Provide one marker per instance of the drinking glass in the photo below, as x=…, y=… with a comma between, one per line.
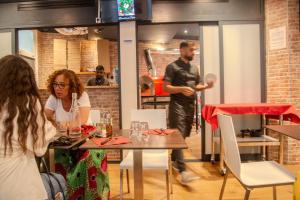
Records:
x=134, y=128
x=144, y=131
x=62, y=127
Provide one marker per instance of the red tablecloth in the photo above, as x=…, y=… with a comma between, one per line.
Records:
x=210, y=112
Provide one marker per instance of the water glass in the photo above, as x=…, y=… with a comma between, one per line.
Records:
x=134, y=128
x=144, y=131
x=62, y=127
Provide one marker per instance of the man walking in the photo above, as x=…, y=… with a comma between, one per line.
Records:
x=182, y=81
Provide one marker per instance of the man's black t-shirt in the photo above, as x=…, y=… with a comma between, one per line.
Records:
x=180, y=73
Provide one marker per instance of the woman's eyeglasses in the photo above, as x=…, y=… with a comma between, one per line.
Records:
x=59, y=85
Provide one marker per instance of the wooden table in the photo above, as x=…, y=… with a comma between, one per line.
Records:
x=172, y=141
x=292, y=131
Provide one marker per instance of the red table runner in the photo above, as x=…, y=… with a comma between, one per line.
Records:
x=210, y=112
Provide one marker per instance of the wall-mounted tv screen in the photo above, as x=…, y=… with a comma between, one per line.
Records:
x=126, y=9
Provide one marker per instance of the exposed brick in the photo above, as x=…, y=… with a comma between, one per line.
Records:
x=283, y=67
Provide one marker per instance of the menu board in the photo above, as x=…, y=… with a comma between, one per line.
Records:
x=126, y=10
x=277, y=38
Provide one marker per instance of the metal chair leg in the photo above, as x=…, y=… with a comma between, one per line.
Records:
x=127, y=177
x=168, y=184
x=171, y=180
x=121, y=184
x=247, y=194
x=223, y=186
x=274, y=193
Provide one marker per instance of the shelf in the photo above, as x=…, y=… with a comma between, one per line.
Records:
x=85, y=73
x=263, y=140
x=102, y=87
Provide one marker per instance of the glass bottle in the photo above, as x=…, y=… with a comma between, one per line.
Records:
x=75, y=122
x=103, y=125
x=109, y=130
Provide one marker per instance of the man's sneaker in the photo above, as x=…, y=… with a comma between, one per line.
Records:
x=186, y=177
x=175, y=166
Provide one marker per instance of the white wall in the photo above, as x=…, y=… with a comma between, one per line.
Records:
x=242, y=80
x=211, y=65
x=242, y=72
x=128, y=71
x=5, y=43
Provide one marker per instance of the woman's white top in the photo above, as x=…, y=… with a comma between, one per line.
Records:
x=19, y=175
x=61, y=115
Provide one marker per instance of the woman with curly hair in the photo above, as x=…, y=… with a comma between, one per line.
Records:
x=24, y=131
x=85, y=171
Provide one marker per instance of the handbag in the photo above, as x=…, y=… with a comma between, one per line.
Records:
x=54, y=183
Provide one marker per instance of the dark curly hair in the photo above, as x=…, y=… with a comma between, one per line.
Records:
x=19, y=94
x=75, y=83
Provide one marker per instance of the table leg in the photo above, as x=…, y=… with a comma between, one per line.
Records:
x=138, y=174
x=281, y=140
x=212, y=157
x=264, y=123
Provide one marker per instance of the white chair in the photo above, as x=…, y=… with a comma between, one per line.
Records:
x=253, y=174
x=152, y=159
x=95, y=116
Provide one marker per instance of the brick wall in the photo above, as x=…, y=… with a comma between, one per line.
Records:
x=161, y=58
x=104, y=99
x=45, y=53
x=88, y=54
x=114, y=54
x=283, y=66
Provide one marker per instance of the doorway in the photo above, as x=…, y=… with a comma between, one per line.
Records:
x=158, y=46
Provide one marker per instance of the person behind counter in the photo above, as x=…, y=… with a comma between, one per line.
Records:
x=85, y=171
x=24, y=134
x=100, y=77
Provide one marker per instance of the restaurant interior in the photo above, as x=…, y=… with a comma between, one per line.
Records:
x=241, y=140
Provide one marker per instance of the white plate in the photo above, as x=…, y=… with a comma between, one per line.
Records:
x=210, y=77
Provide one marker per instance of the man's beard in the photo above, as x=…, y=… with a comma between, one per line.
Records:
x=189, y=58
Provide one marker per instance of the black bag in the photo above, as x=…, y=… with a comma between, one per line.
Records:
x=53, y=182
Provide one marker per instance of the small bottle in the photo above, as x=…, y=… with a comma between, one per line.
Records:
x=109, y=131
x=116, y=75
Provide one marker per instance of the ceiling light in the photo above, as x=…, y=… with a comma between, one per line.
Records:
x=73, y=31
x=185, y=31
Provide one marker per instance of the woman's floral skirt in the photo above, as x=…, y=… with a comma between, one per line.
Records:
x=85, y=172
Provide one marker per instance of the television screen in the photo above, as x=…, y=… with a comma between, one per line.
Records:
x=126, y=9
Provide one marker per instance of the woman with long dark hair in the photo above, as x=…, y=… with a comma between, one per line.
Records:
x=24, y=131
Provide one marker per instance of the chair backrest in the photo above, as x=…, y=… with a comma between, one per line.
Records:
x=95, y=116
x=156, y=118
x=232, y=154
